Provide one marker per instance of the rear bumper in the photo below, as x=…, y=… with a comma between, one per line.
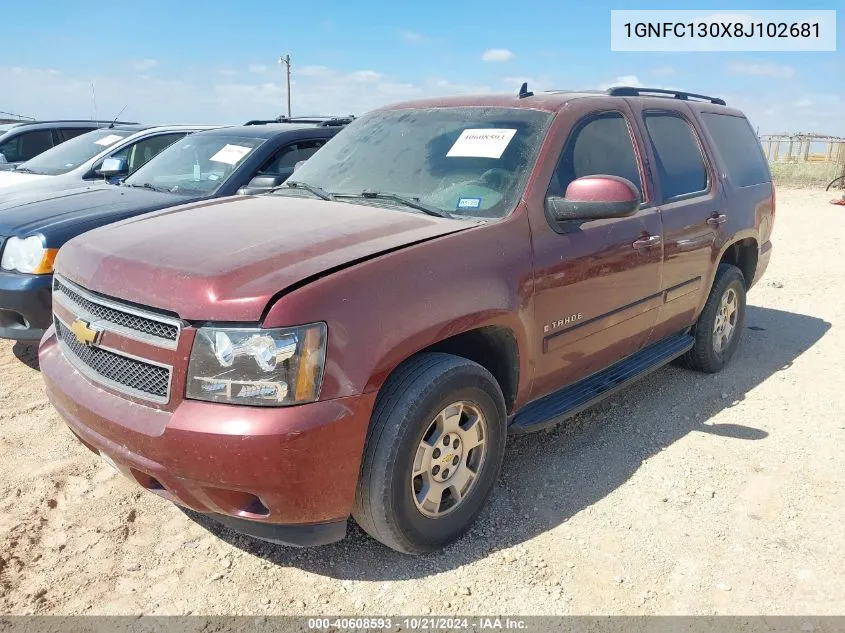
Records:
x=257, y=470
x=763, y=257
x=25, y=305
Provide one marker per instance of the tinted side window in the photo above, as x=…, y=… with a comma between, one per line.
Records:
x=283, y=162
x=601, y=144
x=739, y=148
x=27, y=145
x=143, y=151
x=680, y=165
x=68, y=133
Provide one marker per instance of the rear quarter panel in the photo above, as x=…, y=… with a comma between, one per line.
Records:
x=384, y=310
x=750, y=209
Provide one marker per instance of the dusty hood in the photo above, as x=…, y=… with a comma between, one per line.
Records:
x=224, y=260
x=12, y=178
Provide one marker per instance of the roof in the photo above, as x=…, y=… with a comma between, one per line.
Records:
x=62, y=122
x=268, y=130
x=554, y=100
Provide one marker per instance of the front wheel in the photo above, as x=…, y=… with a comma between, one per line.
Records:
x=434, y=450
x=718, y=329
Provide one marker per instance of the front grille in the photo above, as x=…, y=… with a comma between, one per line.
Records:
x=99, y=309
x=121, y=372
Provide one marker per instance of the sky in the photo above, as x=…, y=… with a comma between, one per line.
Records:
x=216, y=61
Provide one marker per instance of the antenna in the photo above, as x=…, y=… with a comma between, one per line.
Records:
x=523, y=91
x=118, y=116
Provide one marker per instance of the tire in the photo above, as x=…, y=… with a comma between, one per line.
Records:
x=706, y=355
x=419, y=396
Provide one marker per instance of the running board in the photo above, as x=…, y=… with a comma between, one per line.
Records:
x=562, y=404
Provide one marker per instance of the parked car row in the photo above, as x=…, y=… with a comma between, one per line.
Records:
x=168, y=165
x=359, y=339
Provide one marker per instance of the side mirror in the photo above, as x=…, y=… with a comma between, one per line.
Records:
x=113, y=167
x=3, y=160
x=298, y=164
x=595, y=198
x=261, y=183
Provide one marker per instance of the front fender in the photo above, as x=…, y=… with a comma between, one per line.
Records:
x=381, y=311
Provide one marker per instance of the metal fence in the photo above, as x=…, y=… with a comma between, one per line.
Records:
x=804, y=160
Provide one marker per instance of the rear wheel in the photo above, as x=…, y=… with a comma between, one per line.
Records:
x=434, y=450
x=718, y=329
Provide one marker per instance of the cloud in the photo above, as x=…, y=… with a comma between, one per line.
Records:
x=663, y=71
x=762, y=70
x=803, y=103
x=496, y=55
x=412, y=37
x=145, y=64
x=365, y=75
x=258, y=69
x=624, y=80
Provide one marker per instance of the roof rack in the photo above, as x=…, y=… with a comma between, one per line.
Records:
x=630, y=91
x=322, y=121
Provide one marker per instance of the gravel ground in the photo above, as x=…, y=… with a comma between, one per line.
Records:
x=686, y=494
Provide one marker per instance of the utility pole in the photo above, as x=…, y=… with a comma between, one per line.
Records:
x=286, y=61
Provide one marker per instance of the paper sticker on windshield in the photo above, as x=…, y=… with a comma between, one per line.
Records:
x=111, y=139
x=469, y=203
x=482, y=143
x=231, y=154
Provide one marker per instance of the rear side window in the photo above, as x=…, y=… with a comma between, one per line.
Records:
x=68, y=133
x=680, y=165
x=601, y=144
x=739, y=148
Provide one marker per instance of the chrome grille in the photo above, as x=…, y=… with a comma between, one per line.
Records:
x=134, y=323
x=123, y=373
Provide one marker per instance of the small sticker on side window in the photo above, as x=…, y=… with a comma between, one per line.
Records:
x=482, y=143
x=469, y=203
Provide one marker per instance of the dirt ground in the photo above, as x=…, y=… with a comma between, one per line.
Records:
x=686, y=494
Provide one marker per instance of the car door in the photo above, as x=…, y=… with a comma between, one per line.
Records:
x=596, y=283
x=691, y=209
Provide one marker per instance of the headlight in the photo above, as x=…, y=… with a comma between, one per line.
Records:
x=28, y=255
x=266, y=367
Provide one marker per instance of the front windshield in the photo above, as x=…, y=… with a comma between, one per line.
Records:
x=73, y=153
x=198, y=164
x=471, y=161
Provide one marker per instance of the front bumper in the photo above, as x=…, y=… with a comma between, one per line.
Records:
x=284, y=474
x=25, y=305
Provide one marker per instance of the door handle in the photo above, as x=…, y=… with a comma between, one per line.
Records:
x=717, y=219
x=645, y=242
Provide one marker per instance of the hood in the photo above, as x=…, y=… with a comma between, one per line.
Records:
x=11, y=178
x=224, y=260
x=60, y=215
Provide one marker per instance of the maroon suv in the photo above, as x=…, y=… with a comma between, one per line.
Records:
x=442, y=272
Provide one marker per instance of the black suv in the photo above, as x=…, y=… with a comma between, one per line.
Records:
x=247, y=160
x=20, y=141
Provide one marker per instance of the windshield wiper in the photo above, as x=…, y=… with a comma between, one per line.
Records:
x=146, y=185
x=295, y=184
x=25, y=170
x=414, y=203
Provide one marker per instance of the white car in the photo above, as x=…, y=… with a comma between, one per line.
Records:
x=80, y=160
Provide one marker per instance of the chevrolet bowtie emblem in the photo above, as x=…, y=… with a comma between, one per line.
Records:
x=84, y=333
